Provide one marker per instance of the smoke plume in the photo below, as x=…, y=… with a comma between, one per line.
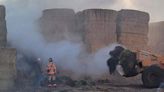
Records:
x=24, y=35
x=161, y=88
x=22, y=24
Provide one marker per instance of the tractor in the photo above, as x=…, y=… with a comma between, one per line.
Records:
x=131, y=63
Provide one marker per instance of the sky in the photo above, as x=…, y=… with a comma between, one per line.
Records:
x=154, y=7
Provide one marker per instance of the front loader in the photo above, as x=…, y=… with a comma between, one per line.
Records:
x=131, y=63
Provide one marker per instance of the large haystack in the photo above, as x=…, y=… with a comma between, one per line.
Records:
x=156, y=37
x=98, y=27
x=58, y=24
x=7, y=57
x=3, y=29
x=7, y=68
x=132, y=29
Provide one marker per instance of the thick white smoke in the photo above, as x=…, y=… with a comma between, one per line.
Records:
x=22, y=24
x=23, y=34
x=161, y=88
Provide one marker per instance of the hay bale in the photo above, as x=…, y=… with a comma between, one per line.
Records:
x=98, y=27
x=2, y=12
x=58, y=24
x=6, y=85
x=7, y=68
x=133, y=16
x=3, y=34
x=132, y=29
x=156, y=32
x=3, y=29
x=133, y=41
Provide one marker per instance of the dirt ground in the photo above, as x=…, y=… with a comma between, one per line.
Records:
x=101, y=88
x=114, y=84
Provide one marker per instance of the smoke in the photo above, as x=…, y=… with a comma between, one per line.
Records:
x=161, y=88
x=22, y=24
x=23, y=34
x=98, y=65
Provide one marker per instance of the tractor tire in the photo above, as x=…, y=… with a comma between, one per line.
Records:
x=152, y=76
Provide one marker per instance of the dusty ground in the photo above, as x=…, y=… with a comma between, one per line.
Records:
x=97, y=88
x=115, y=84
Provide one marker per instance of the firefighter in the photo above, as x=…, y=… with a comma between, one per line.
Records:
x=51, y=71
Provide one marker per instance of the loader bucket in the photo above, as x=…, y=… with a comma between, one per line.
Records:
x=128, y=62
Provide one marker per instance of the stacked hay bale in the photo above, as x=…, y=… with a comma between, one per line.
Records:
x=98, y=27
x=7, y=68
x=7, y=57
x=3, y=29
x=156, y=32
x=58, y=24
x=132, y=29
